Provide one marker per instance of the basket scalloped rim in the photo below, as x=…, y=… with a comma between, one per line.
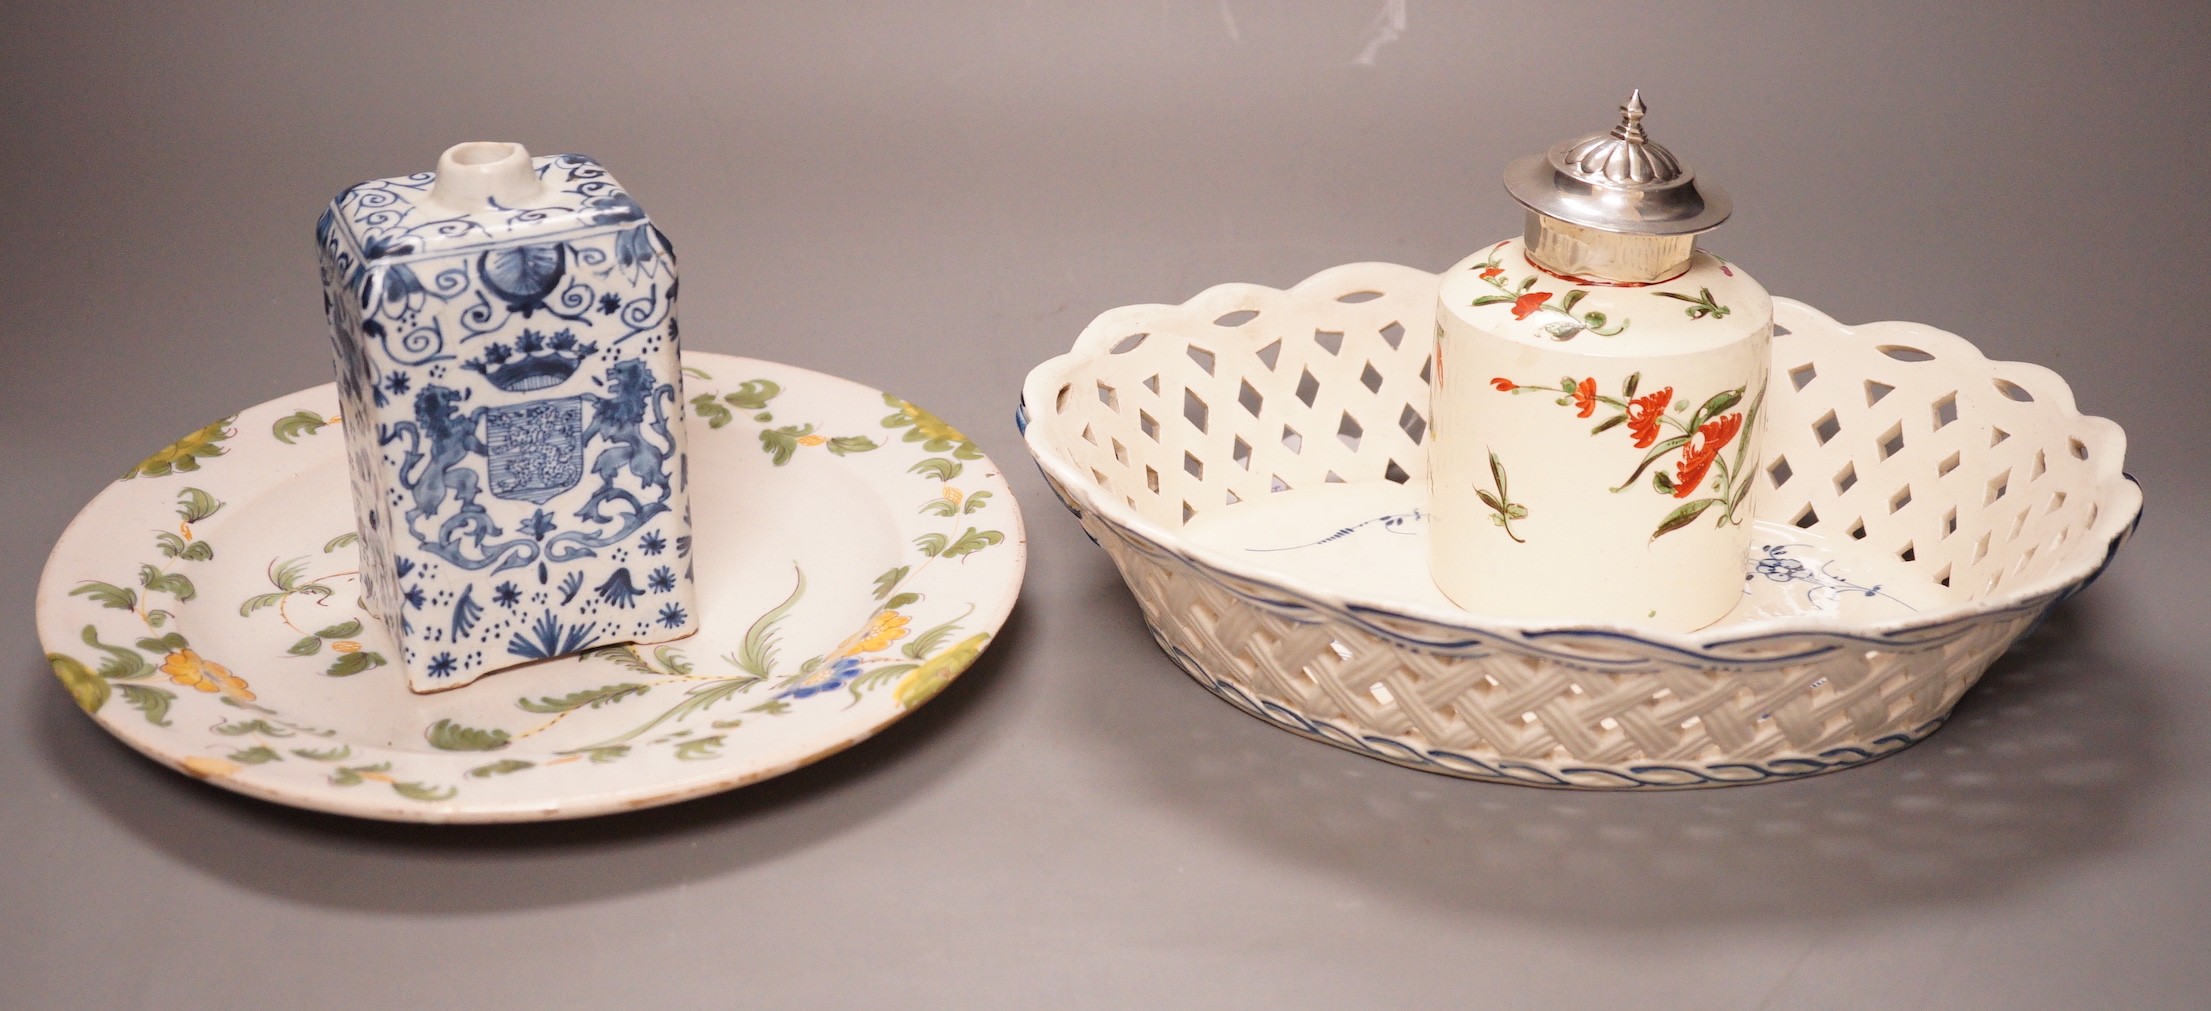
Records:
x=2118, y=493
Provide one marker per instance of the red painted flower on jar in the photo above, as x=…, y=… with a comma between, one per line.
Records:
x=1527, y=304
x=1504, y=385
x=1644, y=413
x=1491, y=272
x=1696, y=460
x=1585, y=396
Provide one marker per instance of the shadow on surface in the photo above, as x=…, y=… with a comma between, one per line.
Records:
x=332, y=860
x=2040, y=765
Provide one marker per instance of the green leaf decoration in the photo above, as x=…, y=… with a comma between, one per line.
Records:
x=1651, y=456
x=1492, y=300
x=927, y=642
x=696, y=373
x=673, y=659
x=343, y=630
x=195, y=504
x=715, y=414
x=901, y=600
x=753, y=394
x=168, y=643
x=174, y=546
x=122, y=663
x=185, y=454
x=424, y=792
x=757, y=656
x=259, y=754
x=1627, y=389
x=880, y=676
x=845, y=444
x=605, y=754
x=349, y=664
x=939, y=507
x=502, y=767
x=1682, y=516
x=591, y=698
x=158, y=618
x=147, y=699
x=296, y=424
x=931, y=677
x=625, y=655
x=446, y=735
x=972, y=541
x=172, y=583
x=974, y=502
x=107, y=594
x=1663, y=482
x=700, y=749
x=932, y=545
x=1567, y=302
x=934, y=434
x=772, y=707
x=938, y=468
x=781, y=443
x=1719, y=402
x=889, y=581
x=355, y=775
x=333, y=544
x=88, y=689
x=338, y=753
x=1608, y=424
x=306, y=647
x=240, y=728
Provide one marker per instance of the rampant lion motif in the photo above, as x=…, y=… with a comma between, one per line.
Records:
x=438, y=466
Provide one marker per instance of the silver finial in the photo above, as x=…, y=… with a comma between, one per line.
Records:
x=1631, y=119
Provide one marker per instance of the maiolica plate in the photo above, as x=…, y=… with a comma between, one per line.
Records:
x=853, y=555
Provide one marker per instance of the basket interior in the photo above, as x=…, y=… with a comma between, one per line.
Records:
x=1976, y=475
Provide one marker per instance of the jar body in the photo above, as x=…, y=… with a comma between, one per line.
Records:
x=1595, y=446
x=512, y=404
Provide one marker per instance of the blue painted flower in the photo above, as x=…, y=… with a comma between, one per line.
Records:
x=1780, y=569
x=610, y=303
x=618, y=590
x=672, y=616
x=826, y=678
x=507, y=594
x=539, y=524
x=652, y=543
x=397, y=383
x=662, y=580
x=415, y=596
x=443, y=665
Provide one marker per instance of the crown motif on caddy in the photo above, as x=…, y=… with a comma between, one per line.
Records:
x=534, y=363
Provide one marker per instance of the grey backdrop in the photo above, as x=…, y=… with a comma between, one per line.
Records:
x=931, y=198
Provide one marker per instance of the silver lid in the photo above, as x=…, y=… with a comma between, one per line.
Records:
x=1619, y=181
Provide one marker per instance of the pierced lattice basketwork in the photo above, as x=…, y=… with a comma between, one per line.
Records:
x=1994, y=495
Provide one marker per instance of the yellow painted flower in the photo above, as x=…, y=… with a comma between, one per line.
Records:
x=812, y=440
x=209, y=767
x=185, y=528
x=954, y=495
x=345, y=646
x=885, y=628
x=187, y=668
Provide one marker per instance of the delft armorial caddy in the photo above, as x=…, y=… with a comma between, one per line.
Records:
x=506, y=352
x=1599, y=386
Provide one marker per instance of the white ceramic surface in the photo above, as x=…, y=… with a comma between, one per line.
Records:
x=1583, y=428
x=854, y=554
x=1970, y=491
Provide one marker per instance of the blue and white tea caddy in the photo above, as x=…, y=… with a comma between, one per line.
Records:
x=513, y=410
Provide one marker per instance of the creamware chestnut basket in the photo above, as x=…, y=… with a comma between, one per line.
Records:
x=1989, y=498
